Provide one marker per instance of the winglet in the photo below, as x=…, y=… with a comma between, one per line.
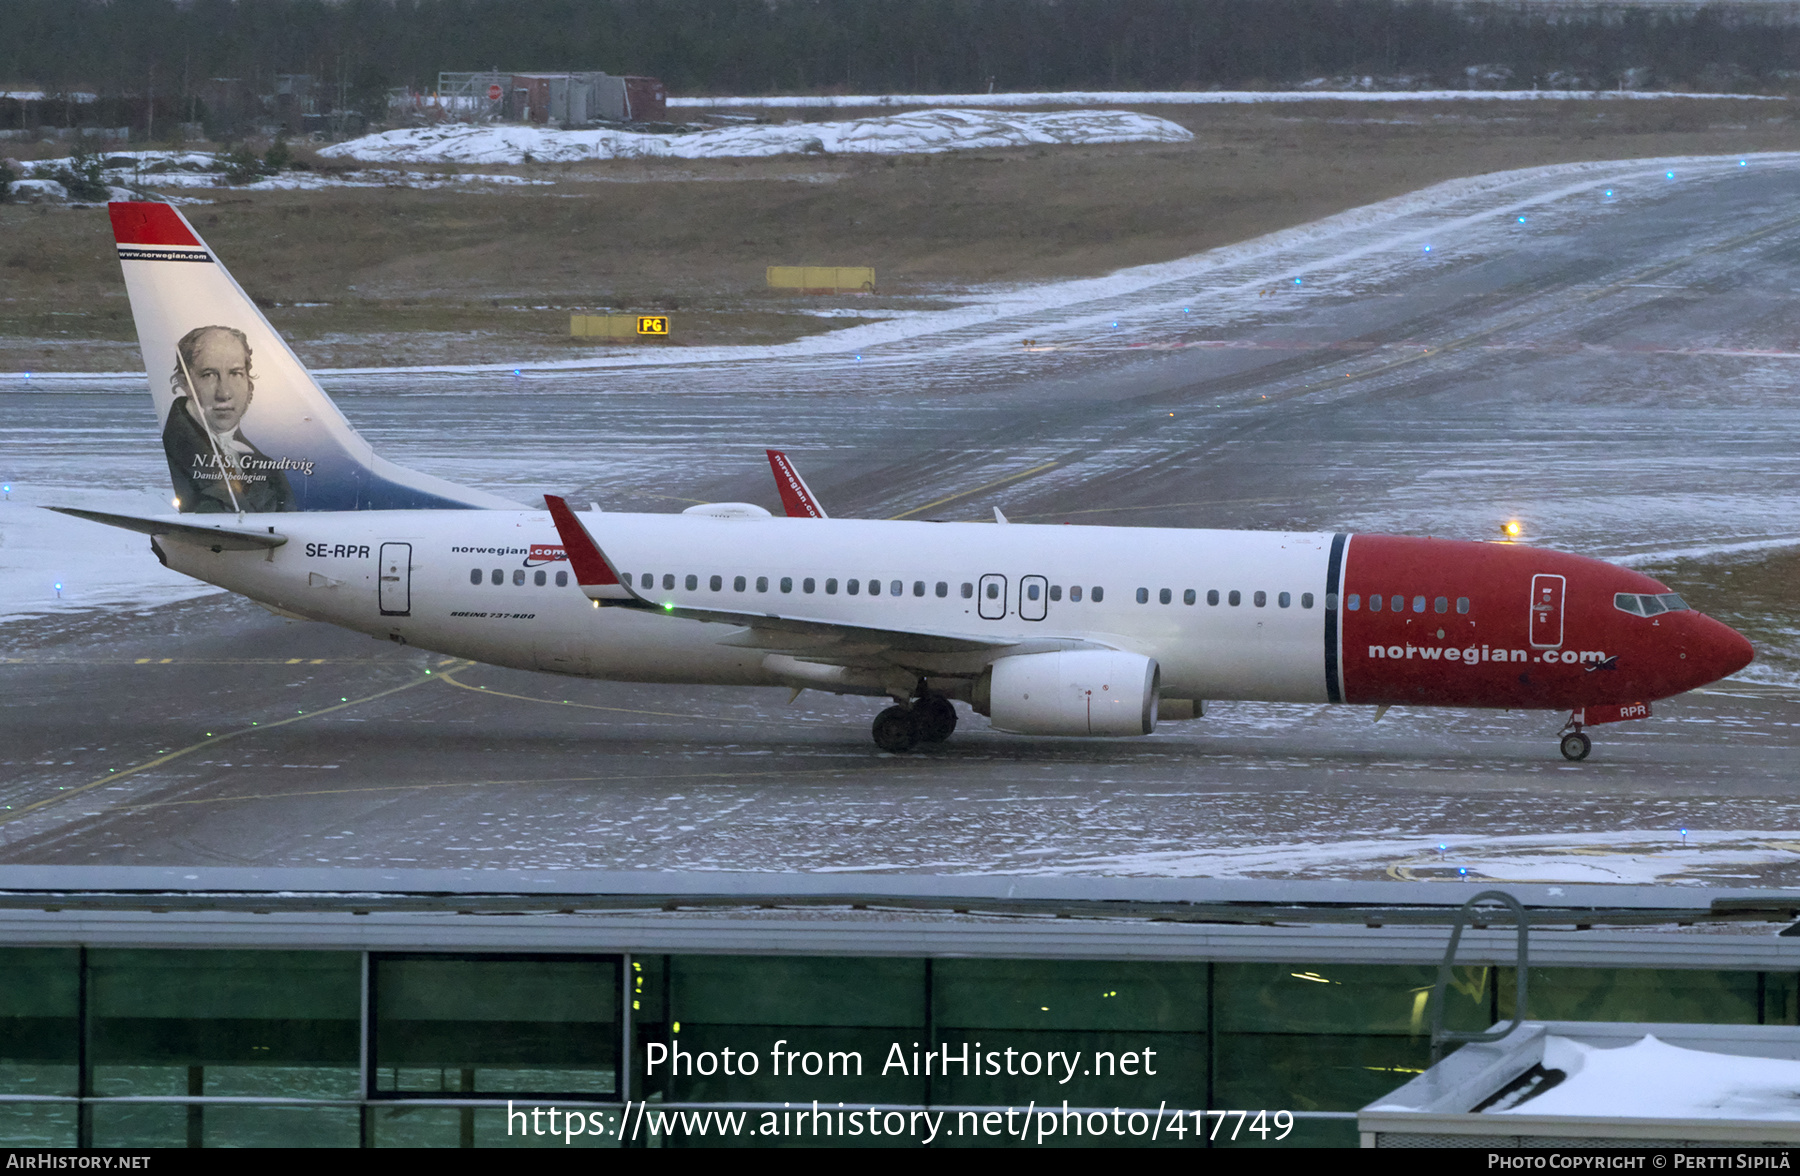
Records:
x=797, y=498
x=593, y=571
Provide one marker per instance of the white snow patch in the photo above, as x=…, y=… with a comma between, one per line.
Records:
x=1181, y=98
x=98, y=566
x=1651, y=1079
x=924, y=131
x=1630, y=857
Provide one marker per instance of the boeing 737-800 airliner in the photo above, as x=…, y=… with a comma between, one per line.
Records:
x=1046, y=630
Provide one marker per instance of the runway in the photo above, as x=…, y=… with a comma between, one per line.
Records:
x=1604, y=352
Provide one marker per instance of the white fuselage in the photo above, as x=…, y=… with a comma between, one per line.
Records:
x=1015, y=582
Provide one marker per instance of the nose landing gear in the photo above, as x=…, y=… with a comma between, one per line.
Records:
x=928, y=720
x=1575, y=743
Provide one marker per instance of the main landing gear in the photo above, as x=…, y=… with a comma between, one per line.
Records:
x=928, y=720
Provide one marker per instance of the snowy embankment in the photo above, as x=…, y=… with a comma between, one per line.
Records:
x=1182, y=98
x=917, y=132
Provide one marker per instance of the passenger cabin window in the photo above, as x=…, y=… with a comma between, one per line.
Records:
x=993, y=592
x=1143, y=596
x=1374, y=604
x=717, y=583
x=540, y=578
x=738, y=584
x=762, y=583
x=498, y=578
x=895, y=588
x=1462, y=604
x=1031, y=591
x=943, y=589
x=1055, y=592
x=1353, y=603
x=968, y=590
x=1164, y=596
x=692, y=582
x=1285, y=599
x=1075, y=593
x=1098, y=594
x=852, y=587
x=562, y=579
x=807, y=585
x=1397, y=603
x=1306, y=599
x=1212, y=596
x=918, y=587
x=1235, y=598
x=518, y=577
x=475, y=576
x=830, y=586
x=787, y=583
x=1188, y=596
x=1260, y=599
x=1441, y=604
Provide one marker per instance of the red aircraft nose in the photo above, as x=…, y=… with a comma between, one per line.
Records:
x=1713, y=650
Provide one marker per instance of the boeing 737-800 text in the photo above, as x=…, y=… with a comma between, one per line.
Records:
x=1047, y=630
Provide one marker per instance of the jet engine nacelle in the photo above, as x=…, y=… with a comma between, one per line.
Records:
x=1084, y=692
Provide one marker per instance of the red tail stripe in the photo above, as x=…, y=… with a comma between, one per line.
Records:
x=590, y=566
x=149, y=224
x=796, y=500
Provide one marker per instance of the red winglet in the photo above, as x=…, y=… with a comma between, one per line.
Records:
x=592, y=569
x=797, y=498
x=145, y=223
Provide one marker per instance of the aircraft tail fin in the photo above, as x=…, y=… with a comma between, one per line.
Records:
x=797, y=498
x=245, y=427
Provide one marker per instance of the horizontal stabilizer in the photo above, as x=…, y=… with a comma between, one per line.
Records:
x=219, y=538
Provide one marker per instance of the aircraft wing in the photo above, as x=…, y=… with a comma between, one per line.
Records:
x=797, y=498
x=835, y=641
x=217, y=536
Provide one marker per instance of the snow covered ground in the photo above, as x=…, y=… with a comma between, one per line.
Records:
x=916, y=132
x=1632, y=856
x=1181, y=98
x=1651, y=1079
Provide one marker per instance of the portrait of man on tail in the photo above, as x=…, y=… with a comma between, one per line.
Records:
x=214, y=467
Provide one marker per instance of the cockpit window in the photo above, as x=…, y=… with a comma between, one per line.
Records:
x=1644, y=605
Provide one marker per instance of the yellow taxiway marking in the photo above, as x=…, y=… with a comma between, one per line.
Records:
x=1037, y=469
x=114, y=777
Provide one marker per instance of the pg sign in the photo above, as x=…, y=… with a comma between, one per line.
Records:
x=653, y=324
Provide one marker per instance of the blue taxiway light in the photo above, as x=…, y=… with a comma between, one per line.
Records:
x=1668, y=175
x=1296, y=281
x=1428, y=249
x=1609, y=193
x=1521, y=220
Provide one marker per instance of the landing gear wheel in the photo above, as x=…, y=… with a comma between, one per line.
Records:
x=934, y=719
x=895, y=730
x=1576, y=745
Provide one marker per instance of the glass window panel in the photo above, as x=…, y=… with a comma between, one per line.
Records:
x=400, y=1125
x=1285, y=599
x=693, y=582
x=918, y=587
x=283, y=1127
x=1098, y=594
x=1261, y=599
x=1088, y=1069
x=475, y=576
x=1212, y=596
x=140, y=1125
x=762, y=583
x=1143, y=596
x=39, y=1030
x=1188, y=597
x=499, y=577
x=540, y=578
x=943, y=589
x=1235, y=598
x=38, y=1124
x=668, y=580
x=1074, y=593
x=738, y=583
x=213, y=1022
x=797, y=990
x=1462, y=604
x=991, y=995
x=787, y=583
x=717, y=583
x=809, y=585
x=496, y=1025
x=1636, y=994
x=562, y=579
x=1346, y=998
x=1306, y=600
x=1313, y=1071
